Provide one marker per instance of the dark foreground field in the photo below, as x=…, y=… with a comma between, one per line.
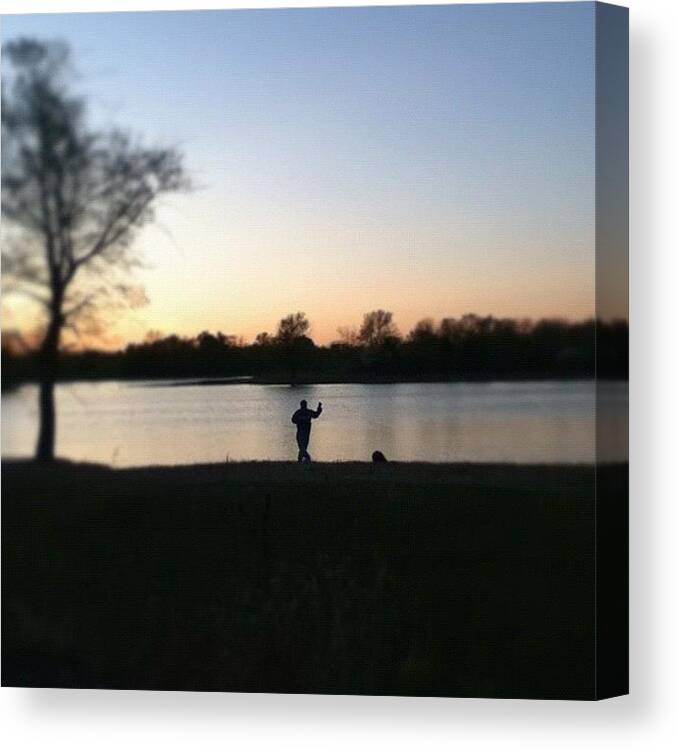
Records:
x=406, y=579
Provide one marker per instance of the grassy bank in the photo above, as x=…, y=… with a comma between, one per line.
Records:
x=342, y=578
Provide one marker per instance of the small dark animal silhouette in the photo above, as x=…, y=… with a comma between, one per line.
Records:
x=379, y=458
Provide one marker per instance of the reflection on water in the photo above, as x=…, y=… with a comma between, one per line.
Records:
x=125, y=424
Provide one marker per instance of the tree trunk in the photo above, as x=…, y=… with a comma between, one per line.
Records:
x=47, y=433
x=48, y=372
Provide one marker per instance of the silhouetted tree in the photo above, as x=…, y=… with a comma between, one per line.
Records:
x=292, y=327
x=348, y=336
x=424, y=331
x=72, y=200
x=215, y=341
x=263, y=339
x=293, y=342
x=447, y=330
x=377, y=328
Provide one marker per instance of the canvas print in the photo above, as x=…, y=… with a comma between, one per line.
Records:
x=315, y=350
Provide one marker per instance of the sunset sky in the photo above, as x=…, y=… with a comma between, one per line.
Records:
x=431, y=161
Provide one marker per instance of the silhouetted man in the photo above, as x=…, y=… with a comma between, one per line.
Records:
x=302, y=419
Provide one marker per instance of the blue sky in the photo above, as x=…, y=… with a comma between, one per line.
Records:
x=430, y=160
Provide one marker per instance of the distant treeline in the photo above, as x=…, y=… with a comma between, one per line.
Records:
x=468, y=348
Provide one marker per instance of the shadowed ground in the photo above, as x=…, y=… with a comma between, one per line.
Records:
x=412, y=579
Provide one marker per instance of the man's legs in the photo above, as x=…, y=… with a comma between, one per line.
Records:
x=302, y=442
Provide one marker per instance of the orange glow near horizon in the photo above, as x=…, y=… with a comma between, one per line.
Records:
x=190, y=288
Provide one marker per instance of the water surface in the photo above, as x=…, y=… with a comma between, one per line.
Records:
x=134, y=424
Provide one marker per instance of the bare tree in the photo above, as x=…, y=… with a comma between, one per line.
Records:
x=72, y=200
x=378, y=328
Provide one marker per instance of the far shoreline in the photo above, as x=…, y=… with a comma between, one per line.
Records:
x=179, y=382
